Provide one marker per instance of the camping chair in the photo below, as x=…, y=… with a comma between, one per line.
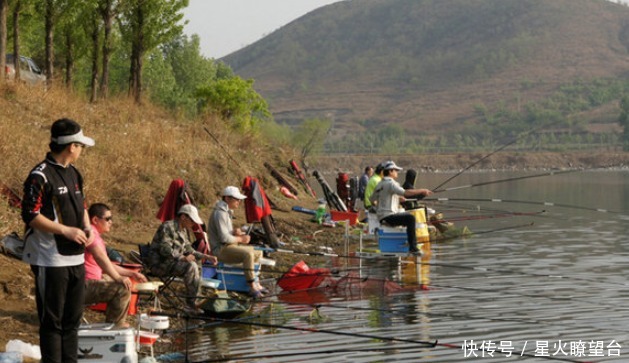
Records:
x=178, y=195
x=166, y=290
x=258, y=210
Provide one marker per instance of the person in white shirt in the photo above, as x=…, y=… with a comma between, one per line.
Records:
x=387, y=197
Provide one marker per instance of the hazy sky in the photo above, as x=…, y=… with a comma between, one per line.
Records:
x=225, y=26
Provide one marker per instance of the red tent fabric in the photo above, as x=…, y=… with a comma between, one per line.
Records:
x=176, y=196
x=257, y=205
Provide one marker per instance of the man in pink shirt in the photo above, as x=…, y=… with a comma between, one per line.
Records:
x=115, y=288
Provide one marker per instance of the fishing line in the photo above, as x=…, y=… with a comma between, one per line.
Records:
x=426, y=344
x=429, y=344
x=508, y=180
x=327, y=351
x=486, y=216
x=548, y=204
x=518, y=272
x=513, y=141
x=597, y=303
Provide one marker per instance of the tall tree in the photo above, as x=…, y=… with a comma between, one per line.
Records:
x=4, y=9
x=623, y=119
x=108, y=10
x=147, y=24
x=17, y=9
x=94, y=36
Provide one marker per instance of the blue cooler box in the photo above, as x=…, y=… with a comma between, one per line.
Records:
x=392, y=242
x=233, y=278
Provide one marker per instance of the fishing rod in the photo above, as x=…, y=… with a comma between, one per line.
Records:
x=513, y=141
x=455, y=315
x=520, y=272
x=407, y=349
x=423, y=344
x=548, y=204
x=428, y=344
x=223, y=147
x=486, y=216
x=551, y=173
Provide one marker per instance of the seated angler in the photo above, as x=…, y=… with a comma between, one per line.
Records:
x=230, y=244
x=387, y=197
x=115, y=290
x=172, y=254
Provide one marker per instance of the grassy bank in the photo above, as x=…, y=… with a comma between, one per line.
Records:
x=139, y=151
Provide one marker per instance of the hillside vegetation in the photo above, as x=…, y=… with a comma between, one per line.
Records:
x=139, y=151
x=448, y=73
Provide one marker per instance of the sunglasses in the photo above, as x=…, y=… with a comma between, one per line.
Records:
x=108, y=219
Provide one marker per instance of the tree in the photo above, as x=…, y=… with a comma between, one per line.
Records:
x=147, y=24
x=17, y=9
x=235, y=100
x=4, y=9
x=310, y=136
x=108, y=10
x=624, y=121
x=174, y=73
x=53, y=9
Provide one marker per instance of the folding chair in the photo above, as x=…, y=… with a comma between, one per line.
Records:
x=166, y=290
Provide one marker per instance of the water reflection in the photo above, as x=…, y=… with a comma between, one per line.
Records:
x=561, y=279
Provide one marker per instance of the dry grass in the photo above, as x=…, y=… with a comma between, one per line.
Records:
x=139, y=151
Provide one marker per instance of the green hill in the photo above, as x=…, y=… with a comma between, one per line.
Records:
x=435, y=67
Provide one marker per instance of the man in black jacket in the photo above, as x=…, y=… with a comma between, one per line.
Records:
x=58, y=229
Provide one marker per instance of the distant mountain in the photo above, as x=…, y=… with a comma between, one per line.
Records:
x=436, y=66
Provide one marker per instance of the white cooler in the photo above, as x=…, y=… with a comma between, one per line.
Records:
x=98, y=343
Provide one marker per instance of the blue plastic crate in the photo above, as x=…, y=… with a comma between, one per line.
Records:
x=208, y=271
x=233, y=277
x=392, y=242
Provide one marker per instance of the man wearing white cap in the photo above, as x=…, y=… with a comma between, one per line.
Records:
x=387, y=197
x=172, y=254
x=58, y=229
x=230, y=244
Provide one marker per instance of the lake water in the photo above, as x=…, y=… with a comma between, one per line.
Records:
x=554, y=290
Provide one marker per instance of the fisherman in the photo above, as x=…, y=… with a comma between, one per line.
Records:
x=231, y=245
x=362, y=183
x=58, y=229
x=387, y=197
x=116, y=289
x=371, y=186
x=172, y=254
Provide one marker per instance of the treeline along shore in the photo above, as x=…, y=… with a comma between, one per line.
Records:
x=504, y=160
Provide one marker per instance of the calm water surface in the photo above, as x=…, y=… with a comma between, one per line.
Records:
x=555, y=290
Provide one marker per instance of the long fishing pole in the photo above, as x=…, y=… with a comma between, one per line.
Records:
x=551, y=173
x=424, y=344
x=519, y=272
x=487, y=216
x=548, y=204
x=316, y=352
x=513, y=141
x=223, y=147
x=428, y=344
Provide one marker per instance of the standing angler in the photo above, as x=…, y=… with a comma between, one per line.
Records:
x=58, y=229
